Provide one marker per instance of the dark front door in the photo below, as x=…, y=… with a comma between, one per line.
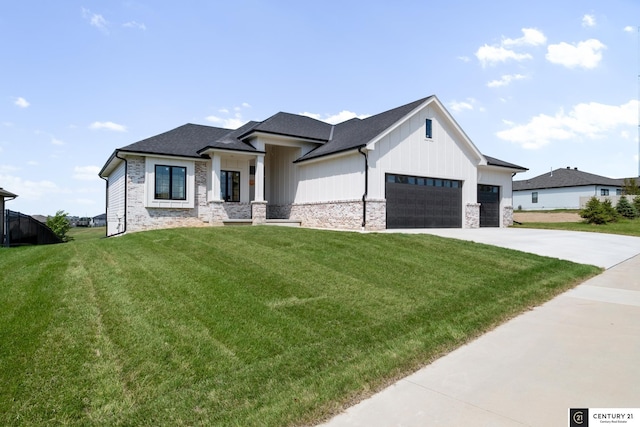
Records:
x=489, y=199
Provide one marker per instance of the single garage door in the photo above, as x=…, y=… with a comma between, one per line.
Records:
x=420, y=202
x=489, y=199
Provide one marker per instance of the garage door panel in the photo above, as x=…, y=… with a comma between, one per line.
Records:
x=489, y=200
x=417, y=205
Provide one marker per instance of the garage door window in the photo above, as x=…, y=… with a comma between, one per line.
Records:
x=429, y=182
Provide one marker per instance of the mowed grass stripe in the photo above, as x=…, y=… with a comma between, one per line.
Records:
x=246, y=325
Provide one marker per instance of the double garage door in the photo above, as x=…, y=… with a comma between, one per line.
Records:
x=419, y=202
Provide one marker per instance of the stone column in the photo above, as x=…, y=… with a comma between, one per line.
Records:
x=472, y=215
x=507, y=216
x=258, y=212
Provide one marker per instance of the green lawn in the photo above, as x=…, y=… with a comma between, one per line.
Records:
x=623, y=226
x=242, y=326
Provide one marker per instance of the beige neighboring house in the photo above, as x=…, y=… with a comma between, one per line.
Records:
x=5, y=196
x=408, y=167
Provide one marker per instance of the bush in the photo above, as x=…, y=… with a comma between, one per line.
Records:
x=596, y=212
x=60, y=225
x=626, y=209
x=636, y=204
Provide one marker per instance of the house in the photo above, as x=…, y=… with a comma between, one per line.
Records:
x=408, y=167
x=4, y=196
x=99, y=221
x=564, y=188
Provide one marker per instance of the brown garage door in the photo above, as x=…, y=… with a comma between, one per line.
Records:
x=422, y=202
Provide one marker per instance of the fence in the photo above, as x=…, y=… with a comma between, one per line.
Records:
x=21, y=230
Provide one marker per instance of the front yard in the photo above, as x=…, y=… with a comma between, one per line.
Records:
x=243, y=326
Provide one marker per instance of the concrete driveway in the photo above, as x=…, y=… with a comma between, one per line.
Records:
x=602, y=250
x=580, y=350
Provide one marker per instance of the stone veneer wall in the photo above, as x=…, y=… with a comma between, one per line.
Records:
x=472, y=215
x=141, y=218
x=345, y=215
x=507, y=216
x=221, y=211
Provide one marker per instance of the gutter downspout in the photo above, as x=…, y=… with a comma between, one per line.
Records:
x=366, y=188
x=126, y=174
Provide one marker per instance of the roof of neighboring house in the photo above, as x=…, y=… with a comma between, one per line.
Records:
x=191, y=140
x=5, y=193
x=100, y=217
x=568, y=177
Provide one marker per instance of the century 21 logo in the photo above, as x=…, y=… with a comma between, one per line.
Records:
x=578, y=417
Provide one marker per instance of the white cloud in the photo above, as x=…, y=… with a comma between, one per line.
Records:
x=227, y=123
x=134, y=24
x=629, y=29
x=587, y=120
x=505, y=80
x=246, y=105
x=588, y=21
x=21, y=102
x=333, y=119
x=503, y=52
x=585, y=54
x=56, y=141
x=86, y=173
x=459, y=107
x=491, y=55
x=531, y=37
x=32, y=163
x=26, y=189
x=107, y=126
x=95, y=20
x=464, y=58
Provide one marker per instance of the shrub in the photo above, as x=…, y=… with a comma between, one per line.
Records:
x=596, y=212
x=636, y=204
x=626, y=209
x=60, y=225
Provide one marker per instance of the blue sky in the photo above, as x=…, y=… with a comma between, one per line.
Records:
x=542, y=84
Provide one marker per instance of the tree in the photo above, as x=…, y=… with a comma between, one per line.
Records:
x=60, y=225
x=636, y=204
x=596, y=212
x=630, y=187
x=626, y=209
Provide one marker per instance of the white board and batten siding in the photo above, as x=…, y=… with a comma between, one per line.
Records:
x=407, y=151
x=116, y=198
x=282, y=174
x=341, y=178
x=491, y=176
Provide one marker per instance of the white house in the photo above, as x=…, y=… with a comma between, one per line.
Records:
x=408, y=167
x=566, y=188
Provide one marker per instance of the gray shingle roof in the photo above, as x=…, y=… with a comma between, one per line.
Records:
x=492, y=161
x=185, y=140
x=192, y=140
x=294, y=125
x=356, y=133
x=568, y=177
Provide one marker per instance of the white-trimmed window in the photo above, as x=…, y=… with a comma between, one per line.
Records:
x=169, y=183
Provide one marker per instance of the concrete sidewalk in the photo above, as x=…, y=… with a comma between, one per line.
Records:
x=579, y=350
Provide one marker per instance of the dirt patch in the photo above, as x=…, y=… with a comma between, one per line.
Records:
x=525, y=217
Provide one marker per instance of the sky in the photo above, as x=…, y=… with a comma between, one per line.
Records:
x=542, y=84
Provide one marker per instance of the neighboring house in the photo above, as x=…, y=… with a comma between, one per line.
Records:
x=412, y=166
x=99, y=221
x=4, y=195
x=567, y=188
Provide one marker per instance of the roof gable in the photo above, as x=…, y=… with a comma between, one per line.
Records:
x=355, y=133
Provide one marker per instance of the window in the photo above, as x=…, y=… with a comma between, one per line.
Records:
x=429, y=182
x=230, y=186
x=171, y=182
x=618, y=191
x=604, y=191
x=429, y=128
x=534, y=197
